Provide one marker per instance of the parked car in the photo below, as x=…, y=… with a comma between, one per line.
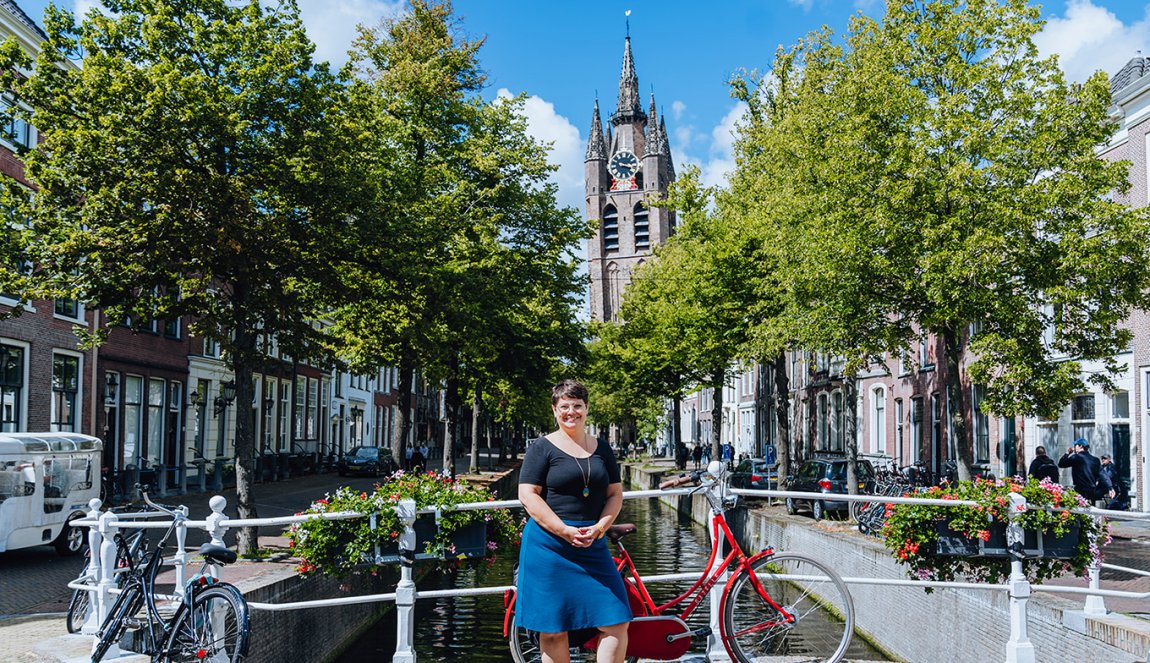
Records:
x=827, y=476
x=366, y=460
x=755, y=473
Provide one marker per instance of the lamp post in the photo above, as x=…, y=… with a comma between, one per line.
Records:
x=225, y=398
x=198, y=401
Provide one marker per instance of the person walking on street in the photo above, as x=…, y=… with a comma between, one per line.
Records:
x=1043, y=466
x=407, y=453
x=697, y=454
x=1118, y=502
x=1086, y=472
x=571, y=487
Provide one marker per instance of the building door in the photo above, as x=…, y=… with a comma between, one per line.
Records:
x=1120, y=443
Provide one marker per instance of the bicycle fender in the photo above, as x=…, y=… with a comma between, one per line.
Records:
x=508, y=611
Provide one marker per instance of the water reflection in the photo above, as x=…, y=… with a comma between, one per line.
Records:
x=450, y=629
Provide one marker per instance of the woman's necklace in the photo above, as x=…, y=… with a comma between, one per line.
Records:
x=586, y=476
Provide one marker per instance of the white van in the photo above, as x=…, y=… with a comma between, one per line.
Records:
x=46, y=481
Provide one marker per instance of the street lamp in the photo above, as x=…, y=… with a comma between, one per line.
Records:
x=226, y=397
x=111, y=384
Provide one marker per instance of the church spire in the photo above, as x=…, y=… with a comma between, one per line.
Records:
x=654, y=136
x=628, y=109
x=595, y=147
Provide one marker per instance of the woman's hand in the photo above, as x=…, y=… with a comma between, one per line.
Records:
x=582, y=537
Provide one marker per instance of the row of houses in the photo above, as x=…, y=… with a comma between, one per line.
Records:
x=903, y=409
x=164, y=400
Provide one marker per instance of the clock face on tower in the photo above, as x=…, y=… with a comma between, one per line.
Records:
x=623, y=165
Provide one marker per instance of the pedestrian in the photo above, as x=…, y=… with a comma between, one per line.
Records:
x=1086, y=472
x=706, y=453
x=1043, y=466
x=418, y=460
x=681, y=455
x=571, y=488
x=697, y=454
x=407, y=454
x=423, y=450
x=1118, y=502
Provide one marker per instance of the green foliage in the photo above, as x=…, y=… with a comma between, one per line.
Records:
x=912, y=537
x=346, y=544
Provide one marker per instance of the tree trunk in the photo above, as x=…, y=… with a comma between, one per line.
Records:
x=403, y=408
x=782, y=417
x=247, y=538
x=676, y=421
x=956, y=407
x=850, y=432
x=451, y=417
x=476, y=403
x=717, y=415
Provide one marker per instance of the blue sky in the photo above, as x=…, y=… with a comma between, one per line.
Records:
x=563, y=52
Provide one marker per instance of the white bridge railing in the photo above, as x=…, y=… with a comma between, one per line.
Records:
x=101, y=576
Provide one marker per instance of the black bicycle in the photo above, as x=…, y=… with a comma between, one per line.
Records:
x=81, y=599
x=210, y=622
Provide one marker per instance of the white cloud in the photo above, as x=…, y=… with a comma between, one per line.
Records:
x=547, y=126
x=805, y=4
x=677, y=108
x=1088, y=38
x=331, y=24
x=719, y=162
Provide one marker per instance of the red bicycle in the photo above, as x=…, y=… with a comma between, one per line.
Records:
x=775, y=606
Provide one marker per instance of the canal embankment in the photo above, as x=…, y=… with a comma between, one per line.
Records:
x=948, y=625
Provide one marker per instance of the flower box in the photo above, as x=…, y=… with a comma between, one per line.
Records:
x=469, y=542
x=956, y=544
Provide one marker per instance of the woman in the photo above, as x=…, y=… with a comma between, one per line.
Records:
x=570, y=486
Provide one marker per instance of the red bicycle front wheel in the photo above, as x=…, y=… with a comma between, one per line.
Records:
x=816, y=620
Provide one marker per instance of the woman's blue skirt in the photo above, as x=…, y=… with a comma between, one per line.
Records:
x=563, y=588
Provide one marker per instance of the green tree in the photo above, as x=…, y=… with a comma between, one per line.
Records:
x=935, y=173
x=197, y=164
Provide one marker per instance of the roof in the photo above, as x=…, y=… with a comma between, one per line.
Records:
x=1133, y=70
x=14, y=9
x=21, y=443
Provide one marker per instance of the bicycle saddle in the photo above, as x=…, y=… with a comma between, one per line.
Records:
x=217, y=554
x=616, y=532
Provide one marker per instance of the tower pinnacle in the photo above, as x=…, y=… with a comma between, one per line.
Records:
x=596, y=149
x=629, y=107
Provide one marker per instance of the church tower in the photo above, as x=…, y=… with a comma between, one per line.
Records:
x=625, y=169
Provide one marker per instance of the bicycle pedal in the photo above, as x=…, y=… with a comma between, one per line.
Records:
x=704, y=632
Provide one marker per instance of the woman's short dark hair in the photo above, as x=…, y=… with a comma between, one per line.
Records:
x=569, y=389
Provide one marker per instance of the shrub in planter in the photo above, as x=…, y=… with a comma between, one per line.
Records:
x=944, y=542
x=337, y=547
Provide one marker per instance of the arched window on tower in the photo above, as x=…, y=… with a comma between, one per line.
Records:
x=642, y=229
x=610, y=230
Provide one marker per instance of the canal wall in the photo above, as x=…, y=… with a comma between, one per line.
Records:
x=946, y=626
x=320, y=635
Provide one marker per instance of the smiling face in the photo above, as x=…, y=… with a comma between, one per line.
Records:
x=570, y=414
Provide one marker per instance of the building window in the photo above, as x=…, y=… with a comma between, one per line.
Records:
x=610, y=230
x=154, y=443
x=642, y=229
x=936, y=429
x=1082, y=417
x=133, y=419
x=916, y=429
x=211, y=347
x=981, y=425
x=65, y=392
x=898, y=423
x=312, y=409
x=285, y=413
x=878, y=420
x=300, y=391
x=68, y=308
x=11, y=388
x=823, y=439
x=16, y=131
x=924, y=361
x=1120, y=405
x=172, y=328
x=837, y=421
x=269, y=433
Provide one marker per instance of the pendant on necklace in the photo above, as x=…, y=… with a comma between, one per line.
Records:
x=586, y=491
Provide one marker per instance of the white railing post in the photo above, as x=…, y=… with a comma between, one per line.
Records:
x=1019, y=649
x=1095, y=604
x=181, y=557
x=217, y=526
x=405, y=590
x=715, y=649
x=95, y=550
x=103, y=597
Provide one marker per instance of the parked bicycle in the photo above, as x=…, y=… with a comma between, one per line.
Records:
x=210, y=621
x=871, y=516
x=82, y=599
x=774, y=607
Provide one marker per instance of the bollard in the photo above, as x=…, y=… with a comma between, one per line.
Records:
x=183, y=469
x=132, y=482
x=201, y=476
x=218, y=473
x=405, y=590
x=104, y=598
x=216, y=527
x=95, y=549
x=1019, y=649
x=181, y=557
x=161, y=487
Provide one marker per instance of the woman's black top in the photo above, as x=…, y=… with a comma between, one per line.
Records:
x=563, y=477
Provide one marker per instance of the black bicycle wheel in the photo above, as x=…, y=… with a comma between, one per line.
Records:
x=818, y=622
x=78, y=610
x=127, y=604
x=213, y=630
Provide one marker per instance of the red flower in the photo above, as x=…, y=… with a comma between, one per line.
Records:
x=984, y=534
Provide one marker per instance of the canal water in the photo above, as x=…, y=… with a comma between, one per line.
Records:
x=471, y=628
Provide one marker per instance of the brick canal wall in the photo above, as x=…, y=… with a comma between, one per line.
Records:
x=947, y=626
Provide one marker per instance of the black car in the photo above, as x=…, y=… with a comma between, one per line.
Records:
x=756, y=474
x=827, y=476
x=372, y=461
